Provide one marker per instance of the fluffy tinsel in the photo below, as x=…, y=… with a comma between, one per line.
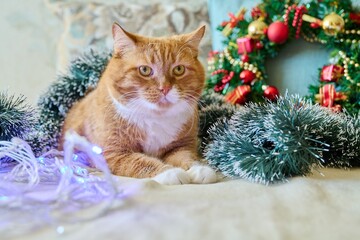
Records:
x=82, y=77
x=212, y=108
x=16, y=117
x=270, y=142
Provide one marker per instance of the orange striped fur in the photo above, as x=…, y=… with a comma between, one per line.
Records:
x=146, y=125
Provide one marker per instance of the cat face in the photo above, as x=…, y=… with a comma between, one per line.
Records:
x=155, y=73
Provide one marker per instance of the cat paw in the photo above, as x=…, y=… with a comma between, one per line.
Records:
x=202, y=174
x=173, y=176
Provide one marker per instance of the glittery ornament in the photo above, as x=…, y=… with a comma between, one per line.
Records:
x=333, y=24
x=257, y=29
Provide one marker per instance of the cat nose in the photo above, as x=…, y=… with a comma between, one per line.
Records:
x=165, y=90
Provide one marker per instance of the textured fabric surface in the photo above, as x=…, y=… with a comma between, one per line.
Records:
x=88, y=24
x=315, y=207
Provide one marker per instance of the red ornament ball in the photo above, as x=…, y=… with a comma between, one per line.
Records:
x=247, y=76
x=278, y=32
x=314, y=25
x=271, y=93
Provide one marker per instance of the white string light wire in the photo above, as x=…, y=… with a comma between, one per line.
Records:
x=54, y=189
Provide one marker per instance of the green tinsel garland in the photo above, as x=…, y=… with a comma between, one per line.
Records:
x=270, y=142
x=16, y=117
x=212, y=108
x=82, y=77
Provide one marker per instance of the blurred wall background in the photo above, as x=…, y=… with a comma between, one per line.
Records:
x=39, y=37
x=29, y=33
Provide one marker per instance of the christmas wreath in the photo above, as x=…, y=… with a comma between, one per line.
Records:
x=239, y=73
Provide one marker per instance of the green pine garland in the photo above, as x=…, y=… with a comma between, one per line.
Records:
x=345, y=46
x=16, y=117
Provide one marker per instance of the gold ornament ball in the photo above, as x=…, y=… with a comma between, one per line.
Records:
x=333, y=24
x=256, y=29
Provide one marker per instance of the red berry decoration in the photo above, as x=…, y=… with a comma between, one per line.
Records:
x=257, y=13
x=259, y=45
x=278, y=32
x=247, y=76
x=271, y=93
x=355, y=17
x=245, y=58
x=315, y=25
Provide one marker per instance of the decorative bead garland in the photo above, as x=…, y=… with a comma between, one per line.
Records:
x=348, y=32
x=346, y=61
x=297, y=22
x=244, y=65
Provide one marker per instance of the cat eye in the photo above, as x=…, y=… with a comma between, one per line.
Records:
x=179, y=70
x=145, y=70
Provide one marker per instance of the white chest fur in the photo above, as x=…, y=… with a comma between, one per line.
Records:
x=160, y=129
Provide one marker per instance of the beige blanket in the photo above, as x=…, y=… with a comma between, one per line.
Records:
x=315, y=207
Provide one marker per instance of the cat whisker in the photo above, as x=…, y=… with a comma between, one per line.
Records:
x=189, y=95
x=129, y=94
x=192, y=109
x=136, y=107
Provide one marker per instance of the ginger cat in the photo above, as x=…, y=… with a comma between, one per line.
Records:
x=143, y=113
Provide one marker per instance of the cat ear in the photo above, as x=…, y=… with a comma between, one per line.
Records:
x=193, y=39
x=122, y=40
